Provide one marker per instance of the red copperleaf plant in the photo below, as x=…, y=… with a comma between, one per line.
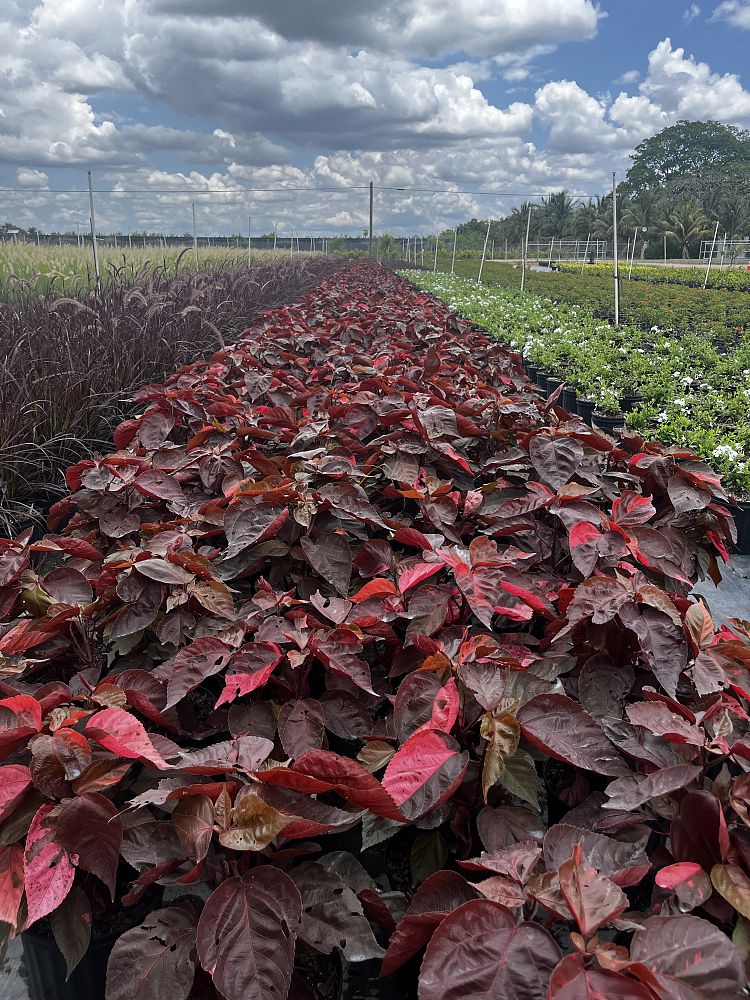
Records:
x=349, y=583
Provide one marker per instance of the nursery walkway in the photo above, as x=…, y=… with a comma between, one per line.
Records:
x=731, y=599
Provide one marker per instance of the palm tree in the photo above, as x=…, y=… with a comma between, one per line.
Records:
x=734, y=217
x=684, y=225
x=558, y=209
x=642, y=214
x=584, y=218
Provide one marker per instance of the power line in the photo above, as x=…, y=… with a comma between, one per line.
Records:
x=190, y=191
x=194, y=192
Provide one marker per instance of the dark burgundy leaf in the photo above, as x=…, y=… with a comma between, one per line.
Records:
x=592, y=898
x=633, y=791
x=90, y=827
x=690, y=957
x=301, y=726
x=479, y=951
x=192, y=665
x=247, y=933
x=331, y=557
x=156, y=960
x=435, y=898
x=71, y=927
x=555, y=724
x=332, y=916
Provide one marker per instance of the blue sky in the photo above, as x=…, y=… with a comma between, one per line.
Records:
x=211, y=102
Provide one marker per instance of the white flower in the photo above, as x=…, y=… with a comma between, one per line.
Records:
x=726, y=451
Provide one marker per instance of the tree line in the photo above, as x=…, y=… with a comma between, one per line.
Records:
x=681, y=183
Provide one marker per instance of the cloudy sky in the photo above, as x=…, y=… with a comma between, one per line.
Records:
x=219, y=97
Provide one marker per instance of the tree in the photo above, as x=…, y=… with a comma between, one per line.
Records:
x=684, y=150
x=685, y=225
x=557, y=213
x=734, y=217
x=641, y=214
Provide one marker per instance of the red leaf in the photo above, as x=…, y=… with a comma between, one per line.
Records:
x=48, y=870
x=424, y=772
x=121, y=733
x=673, y=875
x=375, y=588
x=444, y=709
x=323, y=771
x=11, y=883
x=20, y=717
x=592, y=898
x=14, y=780
x=435, y=898
x=259, y=660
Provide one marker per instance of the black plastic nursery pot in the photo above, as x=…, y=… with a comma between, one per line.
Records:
x=531, y=371
x=629, y=403
x=568, y=400
x=585, y=409
x=552, y=384
x=741, y=513
x=609, y=422
x=45, y=968
x=540, y=377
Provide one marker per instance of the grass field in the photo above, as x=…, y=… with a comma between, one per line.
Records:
x=69, y=269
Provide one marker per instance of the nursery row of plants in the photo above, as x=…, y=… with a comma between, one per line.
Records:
x=27, y=269
x=673, y=308
x=69, y=363
x=357, y=658
x=730, y=278
x=685, y=391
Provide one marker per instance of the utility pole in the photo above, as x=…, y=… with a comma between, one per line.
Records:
x=525, y=250
x=372, y=196
x=711, y=256
x=484, y=251
x=614, y=235
x=195, y=239
x=93, y=232
x=585, y=252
